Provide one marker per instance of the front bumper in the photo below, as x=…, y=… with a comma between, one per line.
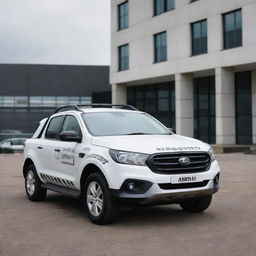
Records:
x=160, y=190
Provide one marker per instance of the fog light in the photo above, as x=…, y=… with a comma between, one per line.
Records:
x=131, y=186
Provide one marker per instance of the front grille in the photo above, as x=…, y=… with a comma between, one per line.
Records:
x=184, y=185
x=167, y=163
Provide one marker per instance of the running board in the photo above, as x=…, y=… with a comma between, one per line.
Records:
x=65, y=191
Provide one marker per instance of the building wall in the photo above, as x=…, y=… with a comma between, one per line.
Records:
x=181, y=66
x=176, y=22
x=90, y=83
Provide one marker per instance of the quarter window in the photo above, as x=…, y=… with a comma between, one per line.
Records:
x=199, y=37
x=232, y=29
x=54, y=127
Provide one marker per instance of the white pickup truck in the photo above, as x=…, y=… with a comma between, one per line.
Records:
x=114, y=156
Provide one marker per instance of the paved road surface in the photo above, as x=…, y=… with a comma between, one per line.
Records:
x=59, y=226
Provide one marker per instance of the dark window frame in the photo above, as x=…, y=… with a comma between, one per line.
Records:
x=211, y=98
x=120, y=59
x=156, y=48
x=137, y=96
x=80, y=133
x=239, y=133
x=235, y=31
x=59, y=129
x=155, y=13
x=202, y=51
x=119, y=17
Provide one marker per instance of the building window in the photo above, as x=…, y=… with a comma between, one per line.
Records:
x=161, y=6
x=199, y=37
x=156, y=99
x=123, y=15
x=243, y=108
x=41, y=101
x=232, y=23
x=204, y=109
x=160, y=47
x=123, y=52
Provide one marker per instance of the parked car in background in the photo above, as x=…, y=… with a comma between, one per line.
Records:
x=12, y=145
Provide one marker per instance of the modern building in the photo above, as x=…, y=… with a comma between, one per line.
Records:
x=29, y=93
x=191, y=64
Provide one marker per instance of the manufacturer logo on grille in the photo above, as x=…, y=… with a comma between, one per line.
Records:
x=184, y=160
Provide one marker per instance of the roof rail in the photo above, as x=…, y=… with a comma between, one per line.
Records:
x=96, y=105
x=66, y=108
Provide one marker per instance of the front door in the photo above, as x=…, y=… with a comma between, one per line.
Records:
x=67, y=152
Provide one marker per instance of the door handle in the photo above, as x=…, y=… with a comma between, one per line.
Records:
x=57, y=150
x=40, y=147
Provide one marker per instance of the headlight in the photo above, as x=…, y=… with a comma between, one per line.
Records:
x=132, y=158
x=211, y=153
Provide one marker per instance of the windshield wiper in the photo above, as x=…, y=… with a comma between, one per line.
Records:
x=139, y=133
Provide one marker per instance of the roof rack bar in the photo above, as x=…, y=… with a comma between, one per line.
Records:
x=66, y=108
x=95, y=105
x=105, y=105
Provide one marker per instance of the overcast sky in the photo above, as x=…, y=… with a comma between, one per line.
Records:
x=55, y=31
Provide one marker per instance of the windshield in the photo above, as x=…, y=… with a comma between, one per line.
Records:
x=123, y=123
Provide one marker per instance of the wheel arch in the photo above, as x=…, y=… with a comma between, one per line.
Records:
x=89, y=169
x=27, y=162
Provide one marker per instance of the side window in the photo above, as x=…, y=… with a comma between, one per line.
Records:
x=54, y=127
x=71, y=124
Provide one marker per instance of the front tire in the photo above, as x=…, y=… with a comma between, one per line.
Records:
x=196, y=205
x=33, y=187
x=97, y=200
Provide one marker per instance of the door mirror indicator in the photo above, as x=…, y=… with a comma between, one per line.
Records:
x=70, y=136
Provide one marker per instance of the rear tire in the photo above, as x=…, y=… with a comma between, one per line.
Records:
x=196, y=205
x=33, y=184
x=97, y=200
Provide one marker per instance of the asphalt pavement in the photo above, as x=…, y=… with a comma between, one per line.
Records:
x=59, y=226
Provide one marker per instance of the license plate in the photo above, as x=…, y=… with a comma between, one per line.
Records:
x=186, y=179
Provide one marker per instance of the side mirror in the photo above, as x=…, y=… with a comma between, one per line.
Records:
x=172, y=130
x=70, y=136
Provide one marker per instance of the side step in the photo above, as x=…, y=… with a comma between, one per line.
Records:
x=65, y=191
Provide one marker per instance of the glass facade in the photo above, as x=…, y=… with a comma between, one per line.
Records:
x=41, y=101
x=123, y=15
x=157, y=100
x=232, y=25
x=199, y=37
x=161, y=6
x=204, y=109
x=243, y=102
x=123, y=55
x=160, y=47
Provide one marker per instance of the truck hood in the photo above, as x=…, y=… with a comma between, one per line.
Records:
x=150, y=144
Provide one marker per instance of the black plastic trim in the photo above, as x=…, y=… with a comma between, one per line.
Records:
x=74, y=193
x=179, y=170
